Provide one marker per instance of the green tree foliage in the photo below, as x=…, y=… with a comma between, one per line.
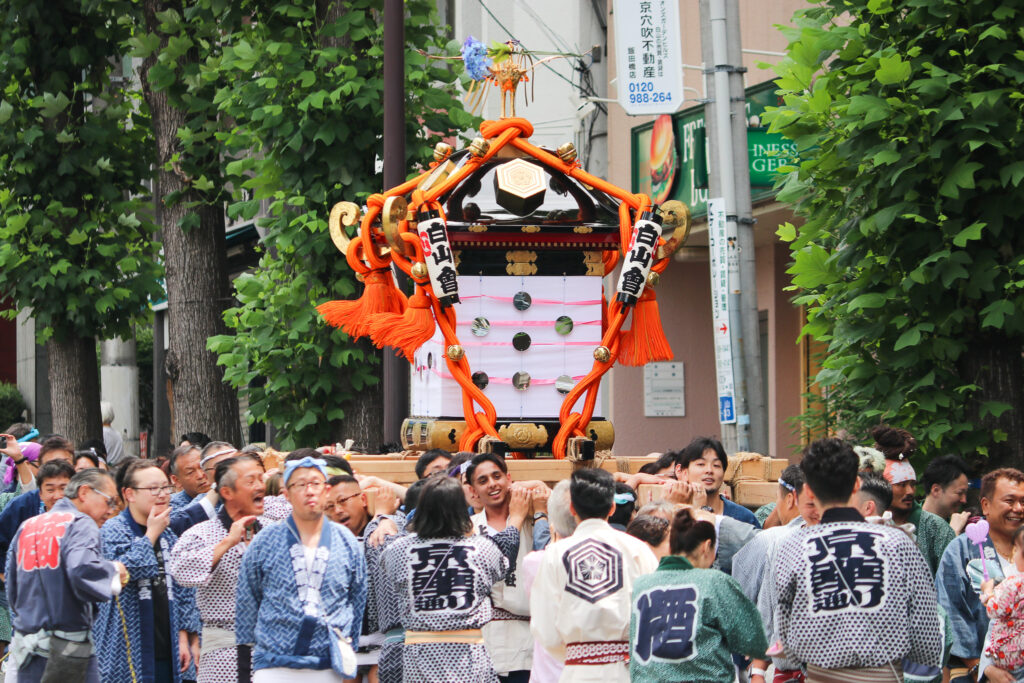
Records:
x=909, y=123
x=305, y=90
x=75, y=242
x=74, y=246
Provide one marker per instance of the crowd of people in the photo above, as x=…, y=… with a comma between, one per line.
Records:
x=223, y=565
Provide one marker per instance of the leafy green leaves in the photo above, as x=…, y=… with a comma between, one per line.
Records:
x=909, y=186
x=72, y=245
x=306, y=99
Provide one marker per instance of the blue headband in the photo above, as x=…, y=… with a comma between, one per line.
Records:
x=624, y=498
x=308, y=461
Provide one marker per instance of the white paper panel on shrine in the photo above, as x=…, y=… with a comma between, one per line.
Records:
x=435, y=393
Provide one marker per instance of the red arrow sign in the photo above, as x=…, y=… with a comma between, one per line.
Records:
x=723, y=328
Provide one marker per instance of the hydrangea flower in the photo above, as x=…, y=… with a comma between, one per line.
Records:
x=474, y=55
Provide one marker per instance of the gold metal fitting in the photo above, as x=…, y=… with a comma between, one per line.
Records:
x=394, y=212
x=602, y=354
x=419, y=270
x=343, y=215
x=653, y=279
x=359, y=276
x=479, y=147
x=567, y=152
x=442, y=151
x=455, y=353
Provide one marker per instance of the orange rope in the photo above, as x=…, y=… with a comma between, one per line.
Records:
x=511, y=131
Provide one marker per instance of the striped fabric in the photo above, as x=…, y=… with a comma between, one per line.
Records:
x=891, y=673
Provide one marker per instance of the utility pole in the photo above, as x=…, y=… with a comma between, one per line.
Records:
x=396, y=369
x=726, y=126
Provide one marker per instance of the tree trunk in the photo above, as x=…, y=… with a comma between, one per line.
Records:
x=996, y=366
x=196, y=278
x=364, y=414
x=74, y=388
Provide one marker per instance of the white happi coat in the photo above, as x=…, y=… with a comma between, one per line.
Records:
x=509, y=640
x=590, y=603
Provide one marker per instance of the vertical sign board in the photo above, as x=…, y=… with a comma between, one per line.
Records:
x=722, y=258
x=648, y=59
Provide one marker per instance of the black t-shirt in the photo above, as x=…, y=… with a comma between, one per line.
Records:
x=161, y=610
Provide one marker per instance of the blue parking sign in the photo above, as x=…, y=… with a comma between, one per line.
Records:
x=726, y=412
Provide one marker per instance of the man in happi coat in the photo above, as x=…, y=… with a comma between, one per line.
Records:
x=854, y=599
x=208, y=557
x=580, y=606
x=55, y=575
x=302, y=588
x=933, y=533
x=960, y=573
x=794, y=508
x=188, y=474
x=507, y=636
x=146, y=634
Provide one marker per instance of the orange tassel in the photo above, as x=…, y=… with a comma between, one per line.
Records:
x=645, y=341
x=379, y=296
x=407, y=331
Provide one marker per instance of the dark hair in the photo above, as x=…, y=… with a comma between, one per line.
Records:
x=458, y=460
x=441, y=512
x=54, y=443
x=126, y=475
x=300, y=453
x=666, y=459
x=90, y=455
x=480, y=459
x=272, y=487
x=687, y=533
x=592, y=492
x=830, y=468
x=943, y=471
x=19, y=429
x=424, y=461
x=341, y=479
x=223, y=469
x=197, y=439
x=52, y=470
x=336, y=462
x=988, y=482
x=649, y=529
x=794, y=476
x=695, y=451
x=172, y=461
x=412, y=494
x=97, y=446
x=893, y=442
x=878, y=488
x=623, y=512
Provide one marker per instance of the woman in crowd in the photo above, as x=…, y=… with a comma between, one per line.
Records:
x=441, y=576
x=688, y=619
x=149, y=631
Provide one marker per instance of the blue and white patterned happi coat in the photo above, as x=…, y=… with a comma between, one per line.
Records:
x=269, y=613
x=121, y=543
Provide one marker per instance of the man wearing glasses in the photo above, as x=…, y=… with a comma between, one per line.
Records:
x=302, y=588
x=57, y=574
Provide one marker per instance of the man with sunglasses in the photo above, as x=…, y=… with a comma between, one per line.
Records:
x=302, y=588
x=56, y=576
